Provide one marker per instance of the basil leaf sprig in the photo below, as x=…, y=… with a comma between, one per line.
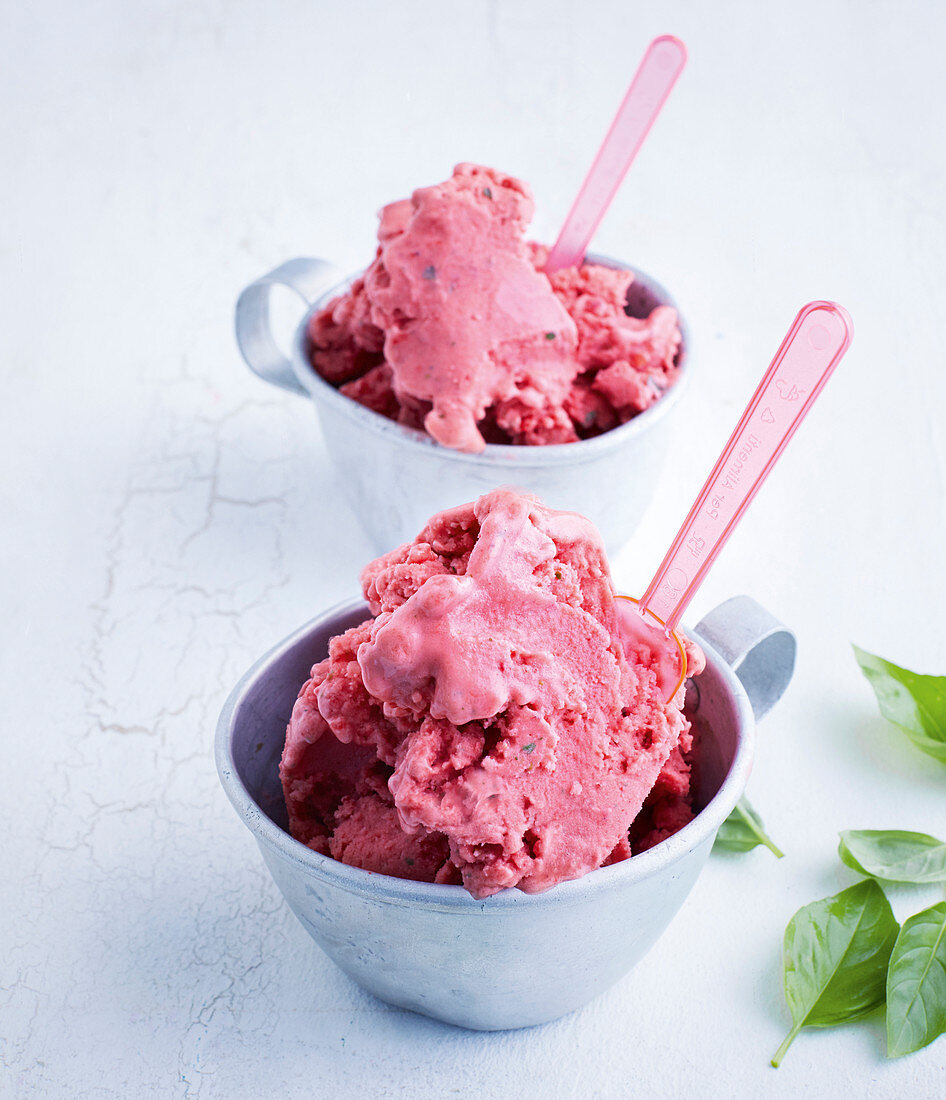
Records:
x=894, y=855
x=916, y=975
x=915, y=703
x=835, y=959
x=916, y=983
x=743, y=830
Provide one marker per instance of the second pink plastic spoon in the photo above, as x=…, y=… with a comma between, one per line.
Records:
x=662, y=64
x=818, y=338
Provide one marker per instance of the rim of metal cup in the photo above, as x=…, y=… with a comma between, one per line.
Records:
x=430, y=895
x=495, y=454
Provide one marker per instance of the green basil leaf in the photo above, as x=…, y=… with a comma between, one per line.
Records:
x=894, y=855
x=835, y=958
x=915, y=703
x=743, y=830
x=916, y=983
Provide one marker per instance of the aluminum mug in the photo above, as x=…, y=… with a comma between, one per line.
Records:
x=395, y=477
x=438, y=950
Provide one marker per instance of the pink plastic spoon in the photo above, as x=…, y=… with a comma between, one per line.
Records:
x=818, y=338
x=662, y=64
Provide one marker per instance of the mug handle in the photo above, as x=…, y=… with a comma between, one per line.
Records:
x=759, y=649
x=309, y=278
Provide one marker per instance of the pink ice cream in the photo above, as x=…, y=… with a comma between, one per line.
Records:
x=454, y=328
x=487, y=724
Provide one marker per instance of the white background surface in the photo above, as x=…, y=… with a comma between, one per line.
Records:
x=167, y=517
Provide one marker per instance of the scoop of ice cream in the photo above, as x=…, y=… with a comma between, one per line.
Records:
x=455, y=327
x=467, y=319
x=498, y=732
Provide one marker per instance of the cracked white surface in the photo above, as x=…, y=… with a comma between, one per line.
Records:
x=168, y=517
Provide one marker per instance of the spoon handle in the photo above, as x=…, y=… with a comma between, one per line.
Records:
x=662, y=64
x=818, y=338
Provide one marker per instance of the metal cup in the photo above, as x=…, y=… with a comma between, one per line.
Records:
x=514, y=959
x=395, y=478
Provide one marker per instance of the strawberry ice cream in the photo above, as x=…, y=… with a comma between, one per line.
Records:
x=455, y=329
x=487, y=724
